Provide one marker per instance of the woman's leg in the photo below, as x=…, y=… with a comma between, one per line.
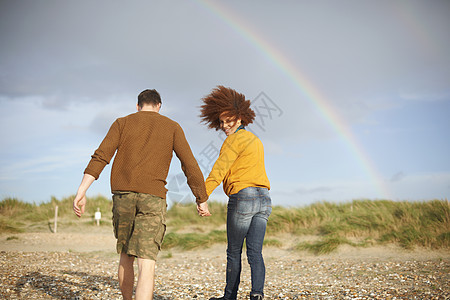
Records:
x=255, y=239
x=239, y=216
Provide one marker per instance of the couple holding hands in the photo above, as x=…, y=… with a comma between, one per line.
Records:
x=143, y=144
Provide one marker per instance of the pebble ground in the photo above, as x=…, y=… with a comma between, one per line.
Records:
x=191, y=275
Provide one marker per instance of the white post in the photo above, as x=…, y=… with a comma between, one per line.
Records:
x=98, y=216
x=56, y=220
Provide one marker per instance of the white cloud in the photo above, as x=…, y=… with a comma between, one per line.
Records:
x=57, y=159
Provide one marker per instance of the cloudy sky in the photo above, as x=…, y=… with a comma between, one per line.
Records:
x=352, y=97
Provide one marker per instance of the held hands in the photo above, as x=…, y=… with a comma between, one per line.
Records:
x=202, y=209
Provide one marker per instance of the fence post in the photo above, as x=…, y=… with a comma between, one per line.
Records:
x=56, y=220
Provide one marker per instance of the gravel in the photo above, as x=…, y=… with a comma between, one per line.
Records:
x=201, y=275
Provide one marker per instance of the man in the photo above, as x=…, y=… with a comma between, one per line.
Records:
x=144, y=142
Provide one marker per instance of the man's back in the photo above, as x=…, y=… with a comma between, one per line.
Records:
x=144, y=142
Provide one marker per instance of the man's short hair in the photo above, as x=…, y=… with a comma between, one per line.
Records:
x=149, y=97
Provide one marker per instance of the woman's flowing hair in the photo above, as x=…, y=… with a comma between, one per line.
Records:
x=225, y=101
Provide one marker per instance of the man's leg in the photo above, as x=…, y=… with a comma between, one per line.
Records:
x=146, y=279
x=126, y=276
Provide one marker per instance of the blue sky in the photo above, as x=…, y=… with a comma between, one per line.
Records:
x=68, y=69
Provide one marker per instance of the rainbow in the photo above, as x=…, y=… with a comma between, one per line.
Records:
x=305, y=87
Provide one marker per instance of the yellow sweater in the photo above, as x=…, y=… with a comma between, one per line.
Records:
x=240, y=164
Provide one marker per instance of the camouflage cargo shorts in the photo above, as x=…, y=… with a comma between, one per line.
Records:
x=139, y=222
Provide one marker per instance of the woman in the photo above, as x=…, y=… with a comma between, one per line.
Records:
x=240, y=167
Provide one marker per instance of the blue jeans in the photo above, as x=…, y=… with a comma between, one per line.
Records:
x=248, y=212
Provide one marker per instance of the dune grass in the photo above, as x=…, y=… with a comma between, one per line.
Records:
x=358, y=223
x=365, y=222
x=18, y=216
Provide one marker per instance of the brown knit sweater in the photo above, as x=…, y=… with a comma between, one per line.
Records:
x=145, y=142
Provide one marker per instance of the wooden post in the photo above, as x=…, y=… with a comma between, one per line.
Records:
x=56, y=220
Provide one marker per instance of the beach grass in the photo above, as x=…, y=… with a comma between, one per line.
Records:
x=318, y=228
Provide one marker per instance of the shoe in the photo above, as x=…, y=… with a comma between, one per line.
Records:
x=256, y=297
x=221, y=298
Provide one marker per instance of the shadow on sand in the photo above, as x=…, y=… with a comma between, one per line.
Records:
x=70, y=285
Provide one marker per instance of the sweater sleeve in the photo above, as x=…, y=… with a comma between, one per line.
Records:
x=189, y=166
x=227, y=156
x=103, y=155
